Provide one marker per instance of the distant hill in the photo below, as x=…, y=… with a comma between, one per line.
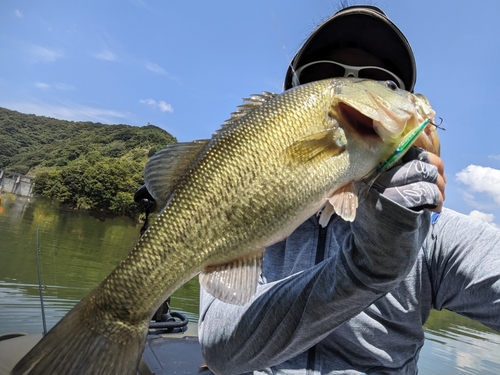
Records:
x=83, y=164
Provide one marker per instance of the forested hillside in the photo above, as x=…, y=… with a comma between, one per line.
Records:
x=82, y=164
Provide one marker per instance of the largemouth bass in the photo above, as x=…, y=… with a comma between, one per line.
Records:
x=276, y=162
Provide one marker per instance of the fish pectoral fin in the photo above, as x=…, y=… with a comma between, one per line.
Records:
x=164, y=169
x=345, y=202
x=326, y=143
x=235, y=282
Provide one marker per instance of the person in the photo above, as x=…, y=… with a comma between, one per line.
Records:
x=351, y=298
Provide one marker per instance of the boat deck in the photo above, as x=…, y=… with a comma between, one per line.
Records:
x=164, y=353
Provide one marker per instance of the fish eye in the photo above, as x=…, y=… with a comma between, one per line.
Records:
x=392, y=85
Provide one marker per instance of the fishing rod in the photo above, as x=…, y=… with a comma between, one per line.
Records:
x=40, y=286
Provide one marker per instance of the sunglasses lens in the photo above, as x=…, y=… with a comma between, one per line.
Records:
x=320, y=71
x=378, y=75
x=330, y=69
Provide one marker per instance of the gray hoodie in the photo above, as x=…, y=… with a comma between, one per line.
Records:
x=359, y=307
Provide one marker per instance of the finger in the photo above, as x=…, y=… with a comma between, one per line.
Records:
x=416, y=196
x=438, y=162
x=441, y=184
x=441, y=180
x=416, y=153
x=439, y=206
x=410, y=172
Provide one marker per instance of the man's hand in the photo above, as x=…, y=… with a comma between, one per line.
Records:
x=418, y=183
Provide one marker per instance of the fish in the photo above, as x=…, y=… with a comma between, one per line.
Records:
x=278, y=160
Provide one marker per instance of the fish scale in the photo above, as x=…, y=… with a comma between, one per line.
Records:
x=276, y=162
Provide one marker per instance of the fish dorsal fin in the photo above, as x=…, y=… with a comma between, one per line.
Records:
x=234, y=283
x=326, y=143
x=249, y=104
x=164, y=169
x=344, y=202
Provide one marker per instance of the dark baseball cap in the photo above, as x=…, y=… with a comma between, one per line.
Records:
x=360, y=26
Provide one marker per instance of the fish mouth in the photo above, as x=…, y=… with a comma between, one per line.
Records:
x=361, y=124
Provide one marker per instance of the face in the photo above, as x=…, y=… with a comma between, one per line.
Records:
x=354, y=56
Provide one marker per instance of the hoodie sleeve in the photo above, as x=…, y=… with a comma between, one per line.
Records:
x=294, y=312
x=464, y=260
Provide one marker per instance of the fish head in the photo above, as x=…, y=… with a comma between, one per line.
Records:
x=378, y=111
x=429, y=139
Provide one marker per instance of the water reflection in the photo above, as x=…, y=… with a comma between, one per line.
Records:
x=78, y=251
x=457, y=345
x=20, y=308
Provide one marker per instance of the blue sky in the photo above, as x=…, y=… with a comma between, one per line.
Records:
x=185, y=65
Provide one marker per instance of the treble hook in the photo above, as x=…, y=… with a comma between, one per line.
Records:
x=437, y=125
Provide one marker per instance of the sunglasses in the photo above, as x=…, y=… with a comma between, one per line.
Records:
x=323, y=69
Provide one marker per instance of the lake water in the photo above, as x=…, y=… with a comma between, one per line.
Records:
x=77, y=251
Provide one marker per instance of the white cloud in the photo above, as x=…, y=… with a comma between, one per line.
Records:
x=63, y=86
x=42, y=54
x=18, y=13
x=105, y=55
x=41, y=85
x=482, y=216
x=68, y=111
x=148, y=101
x=488, y=218
x=165, y=107
x=470, y=199
x=482, y=180
x=57, y=86
x=161, y=105
x=495, y=157
x=155, y=68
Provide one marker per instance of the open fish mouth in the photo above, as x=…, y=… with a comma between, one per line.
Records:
x=361, y=124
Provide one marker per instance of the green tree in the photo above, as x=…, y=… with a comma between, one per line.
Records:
x=81, y=164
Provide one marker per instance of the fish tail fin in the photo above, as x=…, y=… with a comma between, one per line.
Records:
x=70, y=347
